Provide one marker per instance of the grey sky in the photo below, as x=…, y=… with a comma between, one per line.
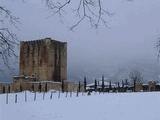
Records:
x=131, y=37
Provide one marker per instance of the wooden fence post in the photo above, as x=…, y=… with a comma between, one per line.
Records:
x=71, y=93
x=51, y=95
x=35, y=96
x=16, y=98
x=7, y=98
x=77, y=92
x=43, y=95
x=25, y=96
x=59, y=94
x=66, y=93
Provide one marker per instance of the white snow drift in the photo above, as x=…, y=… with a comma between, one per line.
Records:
x=107, y=106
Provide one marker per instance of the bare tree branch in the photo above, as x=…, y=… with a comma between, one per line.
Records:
x=136, y=76
x=5, y=13
x=91, y=10
x=8, y=40
x=57, y=6
x=158, y=47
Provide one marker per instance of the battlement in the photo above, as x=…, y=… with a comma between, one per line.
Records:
x=42, y=41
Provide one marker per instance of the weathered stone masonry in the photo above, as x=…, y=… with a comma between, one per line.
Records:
x=45, y=59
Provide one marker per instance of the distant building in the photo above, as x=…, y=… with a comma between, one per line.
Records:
x=45, y=59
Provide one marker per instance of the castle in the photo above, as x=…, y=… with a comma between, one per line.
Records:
x=42, y=67
x=45, y=59
x=42, y=63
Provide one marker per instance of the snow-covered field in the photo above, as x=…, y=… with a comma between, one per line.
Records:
x=108, y=106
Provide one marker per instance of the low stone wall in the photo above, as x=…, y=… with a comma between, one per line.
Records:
x=19, y=86
x=5, y=87
x=75, y=87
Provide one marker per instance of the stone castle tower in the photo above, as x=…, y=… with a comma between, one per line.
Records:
x=44, y=59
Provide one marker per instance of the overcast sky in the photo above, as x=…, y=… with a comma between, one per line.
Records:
x=131, y=37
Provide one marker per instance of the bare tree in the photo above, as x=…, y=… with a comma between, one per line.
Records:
x=158, y=47
x=8, y=40
x=136, y=76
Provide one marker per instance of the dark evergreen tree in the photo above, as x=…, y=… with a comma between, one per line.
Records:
x=46, y=87
x=114, y=89
x=134, y=85
x=110, y=85
x=126, y=85
x=20, y=88
x=126, y=81
x=32, y=87
x=62, y=86
x=85, y=84
x=4, y=89
x=103, y=84
x=79, y=87
x=118, y=87
x=40, y=87
x=9, y=89
x=122, y=86
x=95, y=85
x=122, y=83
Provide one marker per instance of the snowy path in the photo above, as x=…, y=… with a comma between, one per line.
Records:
x=112, y=106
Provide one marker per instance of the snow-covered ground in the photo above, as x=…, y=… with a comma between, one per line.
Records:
x=108, y=106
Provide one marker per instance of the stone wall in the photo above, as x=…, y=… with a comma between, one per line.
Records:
x=5, y=87
x=37, y=86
